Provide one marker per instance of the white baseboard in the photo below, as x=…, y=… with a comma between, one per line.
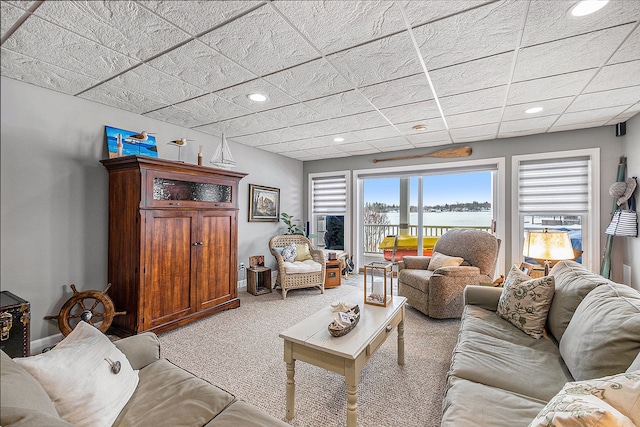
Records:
x=40, y=344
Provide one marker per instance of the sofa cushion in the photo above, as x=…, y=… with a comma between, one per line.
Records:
x=609, y=401
x=439, y=260
x=418, y=279
x=467, y=403
x=11, y=416
x=243, y=414
x=606, y=323
x=170, y=396
x=525, y=302
x=573, y=282
x=31, y=395
x=491, y=351
x=78, y=377
x=635, y=366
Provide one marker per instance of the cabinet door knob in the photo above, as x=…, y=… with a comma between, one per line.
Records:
x=197, y=243
x=174, y=204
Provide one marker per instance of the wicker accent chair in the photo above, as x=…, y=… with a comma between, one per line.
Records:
x=287, y=277
x=439, y=293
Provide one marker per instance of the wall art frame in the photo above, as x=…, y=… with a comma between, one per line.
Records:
x=264, y=203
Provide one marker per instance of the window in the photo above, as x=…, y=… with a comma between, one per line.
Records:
x=556, y=191
x=329, y=203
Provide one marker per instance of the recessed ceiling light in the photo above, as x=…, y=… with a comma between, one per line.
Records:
x=338, y=139
x=533, y=110
x=420, y=128
x=587, y=7
x=257, y=97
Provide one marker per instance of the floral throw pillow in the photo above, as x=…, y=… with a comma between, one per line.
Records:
x=289, y=253
x=609, y=401
x=525, y=302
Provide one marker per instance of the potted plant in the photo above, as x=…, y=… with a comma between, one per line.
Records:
x=292, y=227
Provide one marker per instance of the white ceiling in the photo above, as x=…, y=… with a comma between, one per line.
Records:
x=356, y=69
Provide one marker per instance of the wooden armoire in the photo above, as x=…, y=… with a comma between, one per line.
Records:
x=173, y=242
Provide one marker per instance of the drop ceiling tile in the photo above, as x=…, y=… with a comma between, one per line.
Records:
x=398, y=92
x=124, y=26
x=243, y=125
x=306, y=155
x=274, y=148
x=122, y=98
x=311, y=130
x=601, y=115
x=261, y=41
x=480, y=132
x=340, y=104
x=327, y=140
x=548, y=20
x=9, y=15
x=391, y=144
x=417, y=111
x=574, y=126
x=549, y=87
x=474, y=118
x=178, y=116
x=239, y=95
x=418, y=14
x=377, y=133
x=429, y=139
x=213, y=107
x=29, y=70
x=540, y=123
x=201, y=66
x=333, y=26
x=485, y=31
x=195, y=17
x=353, y=123
x=518, y=133
x=292, y=115
x=23, y=4
x=630, y=49
x=311, y=80
x=590, y=50
x=611, y=98
x=358, y=148
x=479, y=74
x=616, y=76
x=625, y=115
x=301, y=144
x=262, y=138
x=482, y=99
x=51, y=44
x=433, y=125
x=378, y=61
x=550, y=107
x=156, y=84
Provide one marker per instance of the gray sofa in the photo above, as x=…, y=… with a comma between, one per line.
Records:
x=165, y=395
x=500, y=376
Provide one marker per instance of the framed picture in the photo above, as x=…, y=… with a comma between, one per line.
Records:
x=264, y=203
x=129, y=146
x=526, y=268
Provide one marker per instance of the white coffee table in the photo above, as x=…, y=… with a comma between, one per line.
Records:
x=310, y=341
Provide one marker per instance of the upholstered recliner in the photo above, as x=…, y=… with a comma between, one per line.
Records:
x=438, y=293
x=299, y=273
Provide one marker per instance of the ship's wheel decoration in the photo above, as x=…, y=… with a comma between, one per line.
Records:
x=93, y=307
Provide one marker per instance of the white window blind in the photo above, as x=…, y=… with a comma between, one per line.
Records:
x=330, y=195
x=549, y=186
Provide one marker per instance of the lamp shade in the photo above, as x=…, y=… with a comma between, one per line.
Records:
x=551, y=245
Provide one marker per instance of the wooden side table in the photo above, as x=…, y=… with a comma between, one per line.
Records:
x=332, y=277
x=258, y=280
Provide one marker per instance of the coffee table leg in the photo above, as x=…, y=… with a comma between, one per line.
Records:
x=291, y=384
x=401, y=342
x=351, y=378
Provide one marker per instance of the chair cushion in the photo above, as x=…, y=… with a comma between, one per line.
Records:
x=525, y=302
x=289, y=253
x=606, y=323
x=308, y=266
x=302, y=252
x=439, y=260
x=78, y=377
x=610, y=401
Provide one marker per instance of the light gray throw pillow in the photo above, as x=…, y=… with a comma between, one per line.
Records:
x=603, y=337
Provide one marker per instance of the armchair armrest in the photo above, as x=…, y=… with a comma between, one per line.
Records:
x=416, y=262
x=486, y=297
x=318, y=256
x=141, y=350
x=458, y=271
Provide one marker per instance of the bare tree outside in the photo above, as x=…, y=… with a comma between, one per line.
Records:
x=374, y=217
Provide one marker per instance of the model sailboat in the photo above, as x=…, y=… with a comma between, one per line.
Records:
x=222, y=158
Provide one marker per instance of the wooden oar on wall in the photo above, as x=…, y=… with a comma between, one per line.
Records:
x=446, y=153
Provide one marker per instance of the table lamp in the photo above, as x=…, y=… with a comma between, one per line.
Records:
x=554, y=245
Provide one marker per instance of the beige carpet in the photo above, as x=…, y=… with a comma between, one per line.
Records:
x=240, y=351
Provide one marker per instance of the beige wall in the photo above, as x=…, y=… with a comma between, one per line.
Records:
x=54, y=193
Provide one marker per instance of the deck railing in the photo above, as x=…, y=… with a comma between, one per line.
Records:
x=375, y=233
